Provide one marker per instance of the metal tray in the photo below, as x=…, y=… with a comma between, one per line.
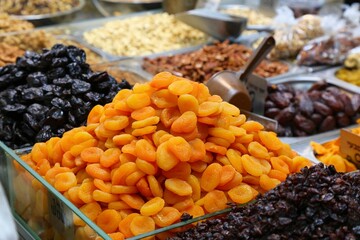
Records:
x=304, y=149
x=303, y=82
x=37, y=39
x=330, y=74
x=51, y=18
x=78, y=30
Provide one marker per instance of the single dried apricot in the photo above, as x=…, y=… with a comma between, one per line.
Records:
x=214, y=201
x=108, y=220
x=142, y=224
x=180, y=148
x=251, y=165
x=180, y=87
x=210, y=178
x=64, y=181
x=270, y=140
x=152, y=207
x=167, y=216
x=145, y=150
x=187, y=102
x=178, y=186
x=241, y=194
x=165, y=159
x=186, y=123
x=258, y=150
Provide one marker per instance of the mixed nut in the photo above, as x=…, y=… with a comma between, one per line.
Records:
x=200, y=65
x=143, y=35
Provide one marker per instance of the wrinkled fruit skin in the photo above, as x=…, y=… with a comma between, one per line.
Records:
x=317, y=203
x=43, y=95
x=321, y=108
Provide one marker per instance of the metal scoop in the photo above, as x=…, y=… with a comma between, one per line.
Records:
x=218, y=25
x=244, y=89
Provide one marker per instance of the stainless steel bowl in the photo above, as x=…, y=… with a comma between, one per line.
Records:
x=52, y=18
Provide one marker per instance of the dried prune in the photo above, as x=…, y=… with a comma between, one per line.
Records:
x=305, y=206
x=44, y=95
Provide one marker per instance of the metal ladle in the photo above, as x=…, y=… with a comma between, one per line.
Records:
x=244, y=89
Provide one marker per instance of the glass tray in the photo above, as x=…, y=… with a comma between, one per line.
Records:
x=44, y=213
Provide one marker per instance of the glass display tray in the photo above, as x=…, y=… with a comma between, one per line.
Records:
x=41, y=212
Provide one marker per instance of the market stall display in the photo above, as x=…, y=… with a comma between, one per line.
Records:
x=180, y=150
x=123, y=137
x=44, y=95
x=145, y=35
x=319, y=202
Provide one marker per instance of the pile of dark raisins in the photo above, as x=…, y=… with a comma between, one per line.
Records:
x=44, y=95
x=301, y=113
x=318, y=203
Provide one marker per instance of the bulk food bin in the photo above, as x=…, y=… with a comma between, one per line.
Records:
x=41, y=212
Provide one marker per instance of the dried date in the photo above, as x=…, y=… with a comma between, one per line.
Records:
x=328, y=124
x=322, y=108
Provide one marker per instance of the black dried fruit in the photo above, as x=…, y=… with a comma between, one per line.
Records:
x=44, y=95
x=307, y=205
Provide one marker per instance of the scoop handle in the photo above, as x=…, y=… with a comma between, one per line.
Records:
x=260, y=53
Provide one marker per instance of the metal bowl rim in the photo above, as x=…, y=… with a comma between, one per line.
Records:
x=80, y=5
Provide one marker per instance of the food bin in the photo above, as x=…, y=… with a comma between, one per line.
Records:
x=41, y=212
x=37, y=207
x=56, y=17
x=88, y=32
x=303, y=82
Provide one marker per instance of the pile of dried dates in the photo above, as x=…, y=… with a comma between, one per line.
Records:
x=44, y=95
x=317, y=203
x=321, y=108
